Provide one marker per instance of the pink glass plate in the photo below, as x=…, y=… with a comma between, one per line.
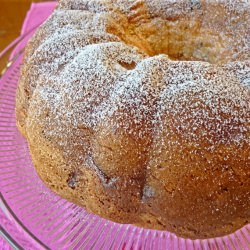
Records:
x=33, y=217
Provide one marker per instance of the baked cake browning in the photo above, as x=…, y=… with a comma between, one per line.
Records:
x=139, y=111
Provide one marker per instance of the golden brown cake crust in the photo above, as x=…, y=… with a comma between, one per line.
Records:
x=139, y=111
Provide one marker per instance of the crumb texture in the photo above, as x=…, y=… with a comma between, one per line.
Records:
x=139, y=111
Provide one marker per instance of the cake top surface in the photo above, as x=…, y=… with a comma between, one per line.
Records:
x=111, y=62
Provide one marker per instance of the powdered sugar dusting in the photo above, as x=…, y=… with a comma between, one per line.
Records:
x=241, y=70
x=206, y=103
x=88, y=83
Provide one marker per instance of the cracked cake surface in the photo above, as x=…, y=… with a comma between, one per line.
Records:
x=139, y=111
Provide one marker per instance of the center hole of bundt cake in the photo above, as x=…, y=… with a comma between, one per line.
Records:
x=179, y=39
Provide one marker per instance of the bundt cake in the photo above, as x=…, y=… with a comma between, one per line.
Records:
x=139, y=111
